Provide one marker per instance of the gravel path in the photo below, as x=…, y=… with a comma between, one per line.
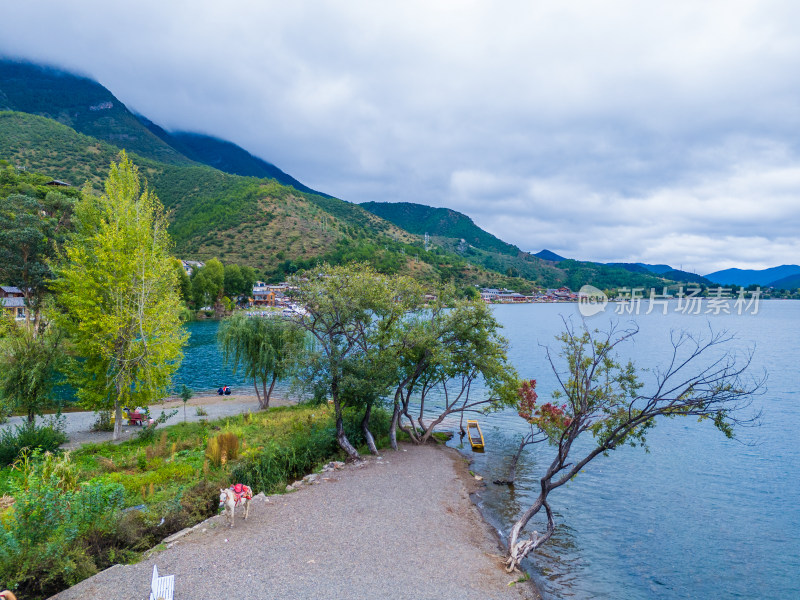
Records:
x=79, y=424
x=394, y=528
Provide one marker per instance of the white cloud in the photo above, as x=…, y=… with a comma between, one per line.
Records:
x=615, y=130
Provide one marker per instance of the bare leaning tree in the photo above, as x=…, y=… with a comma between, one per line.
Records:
x=601, y=398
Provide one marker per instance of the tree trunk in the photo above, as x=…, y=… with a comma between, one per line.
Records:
x=344, y=443
x=341, y=437
x=258, y=394
x=367, y=433
x=393, y=426
x=117, y=420
x=269, y=392
x=518, y=550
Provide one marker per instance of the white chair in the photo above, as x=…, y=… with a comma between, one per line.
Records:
x=162, y=588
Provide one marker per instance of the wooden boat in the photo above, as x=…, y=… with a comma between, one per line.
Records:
x=475, y=435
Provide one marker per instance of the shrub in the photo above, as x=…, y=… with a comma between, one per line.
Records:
x=275, y=465
x=31, y=436
x=148, y=432
x=103, y=421
x=40, y=537
x=224, y=445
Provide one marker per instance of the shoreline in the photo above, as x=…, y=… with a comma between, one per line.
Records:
x=402, y=525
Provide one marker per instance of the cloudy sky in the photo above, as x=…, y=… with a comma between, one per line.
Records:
x=611, y=131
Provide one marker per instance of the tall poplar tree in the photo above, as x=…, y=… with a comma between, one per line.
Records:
x=119, y=294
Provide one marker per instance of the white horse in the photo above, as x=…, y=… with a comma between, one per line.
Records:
x=236, y=495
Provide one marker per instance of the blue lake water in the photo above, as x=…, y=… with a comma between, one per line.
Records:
x=699, y=516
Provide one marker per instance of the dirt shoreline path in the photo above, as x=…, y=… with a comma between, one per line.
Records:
x=398, y=527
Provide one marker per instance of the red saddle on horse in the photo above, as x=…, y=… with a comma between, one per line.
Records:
x=241, y=491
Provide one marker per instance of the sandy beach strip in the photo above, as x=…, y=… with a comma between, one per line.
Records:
x=402, y=526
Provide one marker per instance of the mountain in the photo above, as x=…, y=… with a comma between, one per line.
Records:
x=456, y=232
x=442, y=222
x=657, y=269
x=548, y=255
x=91, y=109
x=745, y=277
x=664, y=271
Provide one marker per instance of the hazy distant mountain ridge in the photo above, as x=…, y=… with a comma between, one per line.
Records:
x=763, y=277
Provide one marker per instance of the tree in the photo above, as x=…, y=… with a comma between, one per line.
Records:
x=208, y=285
x=442, y=352
x=233, y=281
x=184, y=283
x=351, y=312
x=266, y=347
x=28, y=367
x=600, y=402
x=249, y=279
x=31, y=232
x=118, y=293
x=186, y=395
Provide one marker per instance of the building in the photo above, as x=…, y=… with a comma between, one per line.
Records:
x=190, y=265
x=13, y=301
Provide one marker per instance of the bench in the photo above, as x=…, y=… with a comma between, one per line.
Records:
x=162, y=588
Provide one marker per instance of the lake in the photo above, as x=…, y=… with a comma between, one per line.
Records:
x=699, y=516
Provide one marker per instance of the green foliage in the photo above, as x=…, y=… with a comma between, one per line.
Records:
x=34, y=221
x=208, y=283
x=40, y=538
x=118, y=291
x=28, y=367
x=148, y=431
x=444, y=222
x=443, y=351
x=31, y=437
x=184, y=283
x=266, y=348
x=276, y=465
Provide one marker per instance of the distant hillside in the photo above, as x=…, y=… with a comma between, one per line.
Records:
x=786, y=283
x=664, y=271
x=91, y=109
x=657, y=269
x=548, y=255
x=444, y=222
x=687, y=277
x=745, y=277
